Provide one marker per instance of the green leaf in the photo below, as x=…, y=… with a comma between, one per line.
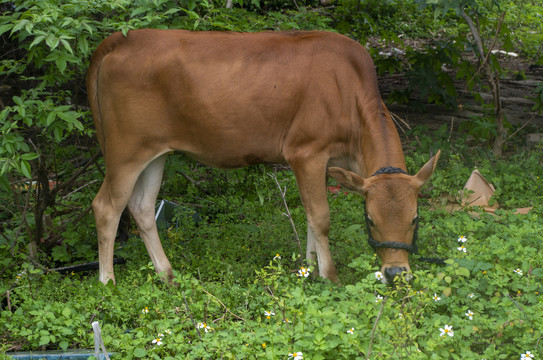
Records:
x=50, y=118
x=44, y=340
x=5, y=27
x=19, y=26
x=64, y=345
x=37, y=40
x=67, y=46
x=29, y=156
x=25, y=168
x=140, y=352
x=61, y=64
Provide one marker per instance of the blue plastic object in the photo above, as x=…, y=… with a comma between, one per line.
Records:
x=55, y=355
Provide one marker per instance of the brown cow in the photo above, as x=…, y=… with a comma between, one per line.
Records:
x=308, y=99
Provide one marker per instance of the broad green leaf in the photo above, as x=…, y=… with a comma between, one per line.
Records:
x=29, y=156
x=4, y=28
x=52, y=42
x=67, y=46
x=25, y=168
x=37, y=40
x=140, y=352
x=61, y=64
x=50, y=118
x=44, y=340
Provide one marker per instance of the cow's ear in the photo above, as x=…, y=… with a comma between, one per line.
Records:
x=347, y=179
x=427, y=170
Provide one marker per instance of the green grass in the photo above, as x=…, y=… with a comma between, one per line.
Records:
x=228, y=278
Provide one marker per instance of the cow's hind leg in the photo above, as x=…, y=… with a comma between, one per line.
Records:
x=108, y=205
x=142, y=207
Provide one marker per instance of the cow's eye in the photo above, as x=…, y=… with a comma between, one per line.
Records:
x=415, y=220
x=370, y=222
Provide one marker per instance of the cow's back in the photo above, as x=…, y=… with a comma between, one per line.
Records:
x=232, y=99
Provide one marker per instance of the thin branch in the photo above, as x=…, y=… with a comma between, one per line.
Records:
x=220, y=302
x=190, y=316
x=287, y=214
x=514, y=302
x=374, y=328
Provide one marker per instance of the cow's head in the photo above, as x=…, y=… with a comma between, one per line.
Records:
x=391, y=211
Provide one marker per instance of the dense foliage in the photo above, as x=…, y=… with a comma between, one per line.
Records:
x=50, y=169
x=238, y=267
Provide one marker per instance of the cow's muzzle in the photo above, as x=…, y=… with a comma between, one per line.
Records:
x=391, y=273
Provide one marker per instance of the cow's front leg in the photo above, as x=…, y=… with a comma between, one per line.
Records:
x=311, y=179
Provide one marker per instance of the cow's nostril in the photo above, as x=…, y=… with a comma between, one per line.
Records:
x=392, y=272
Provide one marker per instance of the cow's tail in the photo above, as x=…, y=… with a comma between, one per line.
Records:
x=105, y=48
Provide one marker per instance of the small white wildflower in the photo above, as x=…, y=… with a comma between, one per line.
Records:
x=303, y=272
x=277, y=257
x=350, y=331
x=447, y=330
x=378, y=275
x=527, y=355
x=168, y=331
x=296, y=356
x=145, y=310
x=518, y=271
x=378, y=298
x=268, y=314
x=462, y=248
x=157, y=341
x=469, y=314
x=471, y=295
x=436, y=298
x=462, y=239
x=203, y=326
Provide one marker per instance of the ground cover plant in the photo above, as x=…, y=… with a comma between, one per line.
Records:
x=242, y=290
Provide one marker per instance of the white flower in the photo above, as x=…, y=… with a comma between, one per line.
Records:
x=157, y=341
x=296, y=356
x=203, y=326
x=269, y=313
x=436, y=298
x=471, y=295
x=462, y=239
x=527, y=355
x=145, y=310
x=378, y=275
x=168, y=331
x=469, y=314
x=277, y=257
x=350, y=331
x=447, y=330
x=303, y=272
x=378, y=298
x=518, y=271
x=160, y=335
x=462, y=248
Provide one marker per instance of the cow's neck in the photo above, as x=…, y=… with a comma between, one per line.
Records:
x=381, y=145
